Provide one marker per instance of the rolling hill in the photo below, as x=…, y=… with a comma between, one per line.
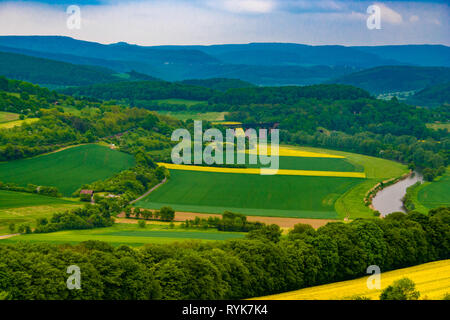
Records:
x=45, y=71
x=221, y=84
x=419, y=55
x=67, y=169
x=258, y=63
x=432, y=96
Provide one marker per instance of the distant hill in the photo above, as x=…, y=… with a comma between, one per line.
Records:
x=275, y=75
x=133, y=75
x=395, y=78
x=142, y=93
x=420, y=55
x=289, y=54
x=134, y=91
x=221, y=84
x=45, y=71
x=432, y=96
x=258, y=63
x=116, y=51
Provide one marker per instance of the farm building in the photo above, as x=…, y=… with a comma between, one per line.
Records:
x=86, y=195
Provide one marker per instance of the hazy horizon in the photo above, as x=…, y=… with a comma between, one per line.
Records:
x=210, y=22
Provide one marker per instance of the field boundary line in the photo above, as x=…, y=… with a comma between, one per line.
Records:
x=285, y=172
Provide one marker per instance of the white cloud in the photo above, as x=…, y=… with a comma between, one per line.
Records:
x=244, y=6
x=414, y=18
x=436, y=22
x=229, y=21
x=389, y=15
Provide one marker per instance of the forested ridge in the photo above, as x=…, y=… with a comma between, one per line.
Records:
x=45, y=71
x=395, y=78
x=433, y=95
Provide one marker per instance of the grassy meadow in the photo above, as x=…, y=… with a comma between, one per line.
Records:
x=67, y=169
x=12, y=124
x=437, y=126
x=179, y=101
x=127, y=233
x=185, y=115
x=252, y=194
x=320, y=195
x=432, y=281
x=8, y=116
x=435, y=194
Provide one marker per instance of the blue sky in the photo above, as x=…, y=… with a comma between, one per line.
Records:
x=153, y=22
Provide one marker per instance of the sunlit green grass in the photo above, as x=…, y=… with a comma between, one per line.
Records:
x=435, y=194
x=129, y=234
x=20, y=207
x=67, y=169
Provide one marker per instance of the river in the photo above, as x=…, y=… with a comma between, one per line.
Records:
x=390, y=198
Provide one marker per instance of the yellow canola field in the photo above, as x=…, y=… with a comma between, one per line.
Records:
x=287, y=152
x=258, y=171
x=432, y=281
x=226, y=122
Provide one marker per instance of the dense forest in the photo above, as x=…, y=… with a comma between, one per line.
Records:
x=132, y=92
x=264, y=263
x=220, y=84
x=44, y=71
x=135, y=91
x=433, y=95
x=395, y=78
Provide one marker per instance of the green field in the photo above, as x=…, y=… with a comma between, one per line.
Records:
x=315, y=164
x=437, y=126
x=8, y=116
x=279, y=195
x=179, y=101
x=303, y=163
x=67, y=169
x=20, y=207
x=12, y=199
x=14, y=123
x=125, y=233
x=435, y=194
x=185, y=115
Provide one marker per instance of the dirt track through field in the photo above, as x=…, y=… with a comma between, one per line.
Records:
x=149, y=191
x=6, y=236
x=286, y=223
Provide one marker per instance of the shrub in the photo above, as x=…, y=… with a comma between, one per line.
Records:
x=403, y=289
x=141, y=224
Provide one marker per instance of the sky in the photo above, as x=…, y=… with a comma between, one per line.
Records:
x=176, y=22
